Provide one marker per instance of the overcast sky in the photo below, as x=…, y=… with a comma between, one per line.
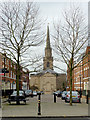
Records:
x=52, y=11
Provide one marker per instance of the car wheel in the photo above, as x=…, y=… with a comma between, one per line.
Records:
x=25, y=102
x=62, y=98
x=9, y=101
x=66, y=100
x=79, y=101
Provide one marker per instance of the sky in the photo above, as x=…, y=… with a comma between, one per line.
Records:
x=51, y=10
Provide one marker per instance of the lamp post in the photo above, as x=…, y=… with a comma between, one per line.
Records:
x=4, y=76
x=89, y=90
x=80, y=82
x=87, y=93
x=66, y=80
x=80, y=88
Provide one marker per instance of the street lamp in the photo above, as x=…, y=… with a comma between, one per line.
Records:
x=4, y=70
x=4, y=75
x=80, y=81
x=80, y=86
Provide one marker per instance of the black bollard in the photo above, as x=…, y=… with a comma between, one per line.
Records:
x=54, y=98
x=80, y=98
x=17, y=102
x=87, y=99
x=39, y=101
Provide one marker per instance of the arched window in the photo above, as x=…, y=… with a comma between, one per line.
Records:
x=48, y=64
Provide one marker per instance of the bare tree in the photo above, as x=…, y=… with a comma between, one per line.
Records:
x=20, y=29
x=70, y=38
x=35, y=63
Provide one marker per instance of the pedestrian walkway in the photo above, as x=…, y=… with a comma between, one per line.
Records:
x=48, y=108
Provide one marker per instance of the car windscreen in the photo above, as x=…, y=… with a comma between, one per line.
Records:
x=64, y=92
x=15, y=92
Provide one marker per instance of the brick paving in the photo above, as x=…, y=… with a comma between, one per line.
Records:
x=48, y=108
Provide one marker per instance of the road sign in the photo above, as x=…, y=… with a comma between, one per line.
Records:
x=4, y=70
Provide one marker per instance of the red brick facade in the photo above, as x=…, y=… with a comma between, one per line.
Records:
x=10, y=78
x=81, y=74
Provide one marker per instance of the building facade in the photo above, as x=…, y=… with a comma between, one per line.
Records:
x=48, y=80
x=81, y=74
x=9, y=79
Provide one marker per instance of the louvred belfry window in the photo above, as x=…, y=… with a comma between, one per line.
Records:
x=48, y=64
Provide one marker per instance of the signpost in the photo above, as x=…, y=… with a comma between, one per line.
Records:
x=2, y=72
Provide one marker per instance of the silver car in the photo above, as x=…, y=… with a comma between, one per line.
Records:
x=28, y=93
x=75, y=97
x=34, y=93
x=64, y=93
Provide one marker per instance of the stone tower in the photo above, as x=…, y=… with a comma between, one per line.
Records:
x=48, y=59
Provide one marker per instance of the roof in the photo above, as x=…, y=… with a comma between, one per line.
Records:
x=46, y=71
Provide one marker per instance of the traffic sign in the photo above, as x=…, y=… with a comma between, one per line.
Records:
x=4, y=70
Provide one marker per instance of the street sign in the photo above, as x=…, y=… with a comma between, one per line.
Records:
x=4, y=70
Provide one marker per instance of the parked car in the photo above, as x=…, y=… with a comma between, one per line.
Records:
x=28, y=93
x=75, y=97
x=64, y=93
x=54, y=92
x=40, y=92
x=34, y=93
x=58, y=93
x=13, y=97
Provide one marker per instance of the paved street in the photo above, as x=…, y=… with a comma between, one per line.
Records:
x=78, y=118
x=48, y=108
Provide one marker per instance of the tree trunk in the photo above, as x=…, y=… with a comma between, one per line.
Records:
x=18, y=75
x=71, y=70
x=71, y=87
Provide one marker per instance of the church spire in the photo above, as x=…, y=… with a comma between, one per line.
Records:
x=48, y=59
x=48, y=38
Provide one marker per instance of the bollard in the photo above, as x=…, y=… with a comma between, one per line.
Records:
x=80, y=98
x=39, y=103
x=54, y=98
x=87, y=99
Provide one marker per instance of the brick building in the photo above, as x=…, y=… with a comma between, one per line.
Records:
x=9, y=79
x=81, y=74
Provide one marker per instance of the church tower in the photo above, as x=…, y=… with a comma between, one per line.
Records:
x=48, y=59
